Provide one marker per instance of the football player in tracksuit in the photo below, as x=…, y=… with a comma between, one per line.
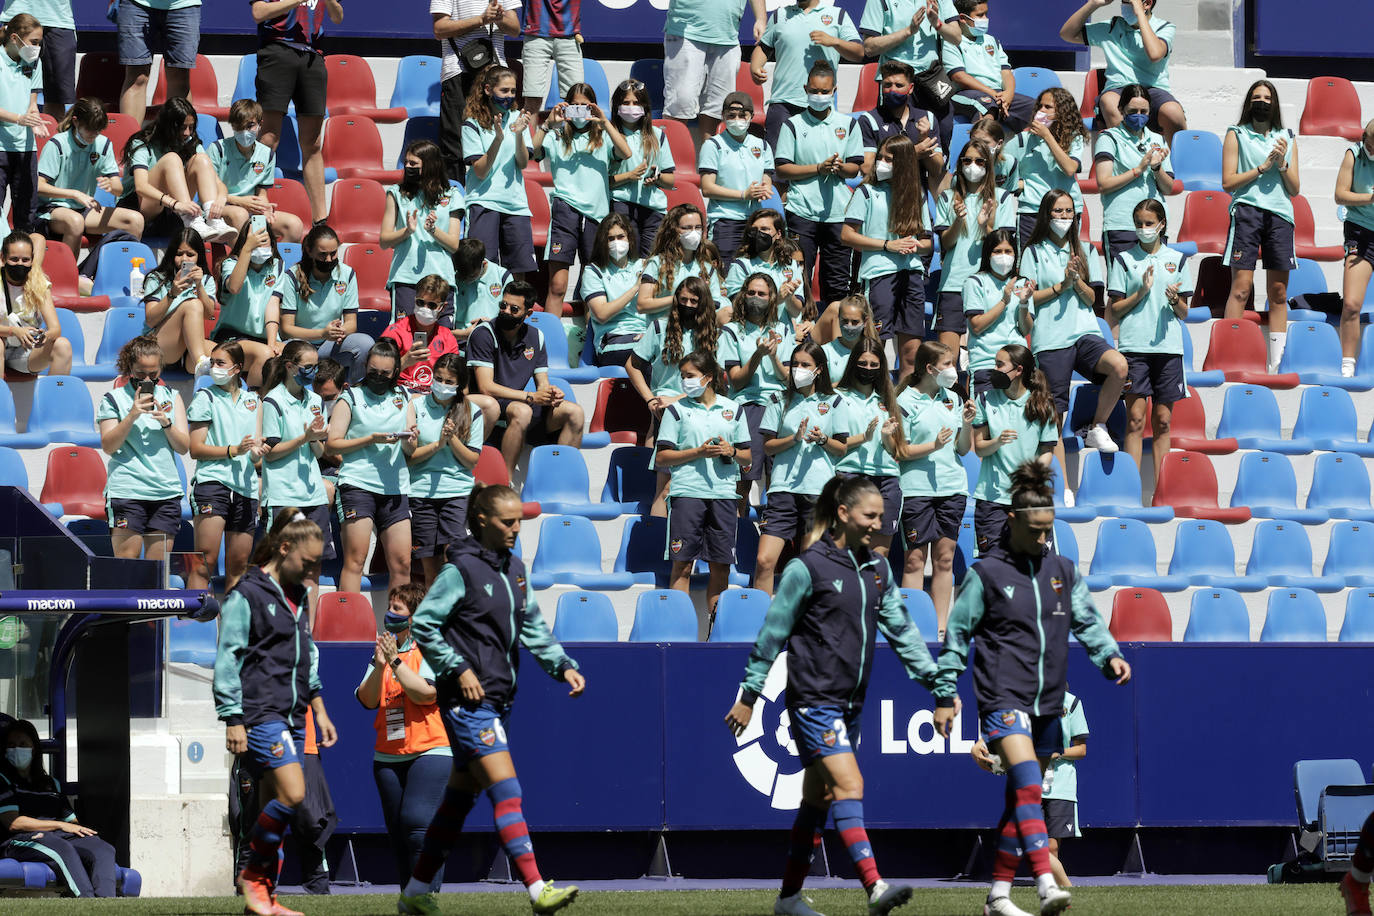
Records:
x=1014, y=602
x=266, y=674
x=470, y=627
x=829, y=604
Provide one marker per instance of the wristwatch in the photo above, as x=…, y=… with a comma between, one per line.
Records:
x=395, y=663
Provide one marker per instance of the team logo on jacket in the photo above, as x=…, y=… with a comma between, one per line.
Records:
x=1057, y=584
x=487, y=588
x=1009, y=590
x=529, y=353
x=1170, y=268
x=278, y=749
x=828, y=737
x=823, y=408
x=841, y=133
x=487, y=736
x=340, y=287
x=757, y=151
x=520, y=583
x=676, y=545
x=270, y=281
x=838, y=583
x=398, y=401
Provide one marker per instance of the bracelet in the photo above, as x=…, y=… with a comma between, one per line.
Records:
x=167, y=425
x=277, y=323
x=229, y=451
x=885, y=241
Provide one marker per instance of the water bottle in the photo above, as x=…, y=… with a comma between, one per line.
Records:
x=136, y=279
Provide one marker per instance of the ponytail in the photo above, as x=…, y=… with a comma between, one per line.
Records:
x=1040, y=405
x=482, y=501
x=290, y=527
x=1032, y=486
x=276, y=372
x=839, y=491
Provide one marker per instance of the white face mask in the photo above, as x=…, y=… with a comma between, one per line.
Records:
x=443, y=392
x=882, y=170
x=29, y=53
x=803, y=377
x=737, y=127
x=819, y=101
x=694, y=387
x=980, y=27
x=619, y=248
x=974, y=173
x=1060, y=227
x=259, y=256
x=947, y=377
x=1149, y=235
x=580, y=123
x=630, y=114
x=426, y=316
x=246, y=137
x=1002, y=263
x=221, y=375
x=691, y=239
x=19, y=757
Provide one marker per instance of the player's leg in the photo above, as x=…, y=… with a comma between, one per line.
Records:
x=460, y=794
x=846, y=785
x=1355, y=884
x=807, y=830
x=1024, y=777
x=284, y=788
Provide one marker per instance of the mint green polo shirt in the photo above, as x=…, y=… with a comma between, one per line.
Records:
x=143, y=156
x=18, y=82
x=1040, y=173
x=419, y=254
x=1124, y=50
x=684, y=270
x=981, y=58
x=981, y=292
x=941, y=473
x=581, y=173
x=689, y=423
x=806, y=467
x=664, y=377
x=144, y=466
x=998, y=412
x=660, y=155
x=737, y=343
x=1061, y=321
x=294, y=479
x=52, y=14
x=788, y=36
x=246, y=310
x=243, y=175
x=837, y=359
x=610, y=283
x=330, y=299
x=1267, y=191
x=155, y=286
x=1123, y=149
x=231, y=415
x=870, y=458
x=381, y=466
x=481, y=299
x=707, y=22
x=502, y=189
x=963, y=259
x=66, y=163
x=737, y=164
x=808, y=140
x=867, y=213
x=441, y=475
x=1152, y=326
x=1073, y=724
x=921, y=50
x=744, y=268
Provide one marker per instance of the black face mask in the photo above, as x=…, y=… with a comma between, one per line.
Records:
x=999, y=380
x=17, y=273
x=687, y=316
x=1261, y=110
x=325, y=266
x=507, y=322
x=757, y=241
x=412, y=174
x=865, y=376
x=377, y=382
x=755, y=308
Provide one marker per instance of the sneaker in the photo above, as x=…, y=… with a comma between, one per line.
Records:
x=422, y=904
x=202, y=366
x=552, y=899
x=796, y=905
x=257, y=894
x=1097, y=437
x=1055, y=900
x=884, y=898
x=279, y=909
x=1356, y=896
x=1002, y=906
x=222, y=232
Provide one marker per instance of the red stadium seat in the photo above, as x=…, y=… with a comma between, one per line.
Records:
x=1213, y=286
x=355, y=212
x=491, y=470
x=75, y=478
x=1188, y=428
x=204, y=89
x=353, y=148
x=539, y=214
x=686, y=194
x=684, y=152
x=1092, y=88
x=1332, y=109
x=1206, y=220
x=345, y=617
x=1237, y=348
x=744, y=82
x=352, y=91
x=100, y=76
x=51, y=124
x=1188, y=482
x=1141, y=615
x=372, y=264
x=119, y=130
x=621, y=412
x=60, y=265
x=290, y=197
x=1305, y=234
x=866, y=94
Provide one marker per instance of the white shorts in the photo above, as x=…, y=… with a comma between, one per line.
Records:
x=538, y=58
x=697, y=77
x=17, y=358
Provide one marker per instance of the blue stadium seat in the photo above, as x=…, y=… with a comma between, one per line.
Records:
x=1109, y=487
x=585, y=617
x=420, y=128
x=192, y=642
x=14, y=474
x=664, y=615
x=739, y=615
x=1283, y=555
x=71, y=329
x=1307, y=280
x=1310, y=779
x=643, y=553
x=1065, y=544
x=589, y=440
x=290, y=254
x=1057, y=481
x=587, y=358
x=556, y=346
x=62, y=411
x=1032, y=81
x=1199, y=378
x=630, y=481
x=207, y=130
x=972, y=465
x=650, y=73
x=1125, y=555
x=1267, y=485
x=1203, y=552
x=569, y=553
x=1358, y=625
x=921, y=610
x=1340, y=486
x=1196, y=156
x=965, y=550
x=1364, y=364
x=1326, y=416
x=557, y=479
x=1250, y=415
x=1082, y=407
x=1313, y=351
x=1350, y=554
x=113, y=266
x=1294, y=615
x=1217, y=615
x=123, y=322
x=8, y=435
x=417, y=86
x=27, y=878
x=593, y=75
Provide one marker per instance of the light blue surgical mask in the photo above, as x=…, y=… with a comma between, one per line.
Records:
x=442, y=392
x=21, y=758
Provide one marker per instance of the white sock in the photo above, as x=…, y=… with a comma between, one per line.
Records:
x=1000, y=889
x=1359, y=877
x=534, y=889
x=1045, y=884
x=1348, y=364
x=415, y=887
x=1276, y=341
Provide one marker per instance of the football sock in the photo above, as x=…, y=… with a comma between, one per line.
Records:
x=1008, y=855
x=515, y=835
x=1277, y=340
x=1030, y=817
x=849, y=821
x=1362, y=862
x=266, y=839
x=443, y=832
x=806, y=836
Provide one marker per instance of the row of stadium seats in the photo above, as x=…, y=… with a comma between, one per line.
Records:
x=1220, y=615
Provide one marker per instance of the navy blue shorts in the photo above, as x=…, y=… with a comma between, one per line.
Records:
x=823, y=731
x=982, y=381
x=949, y=313
x=891, y=489
x=436, y=523
x=989, y=523
x=1045, y=732
x=144, y=516
x=753, y=421
x=1025, y=225
x=474, y=732
x=287, y=76
x=929, y=518
x=1059, y=366
x=701, y=529
x=1156, y=375
x=1257, y=234
x=1359, y=242
x=571, y=235
x=509, y=238
x=59, y=67
x=239, y=512
x=646, y=221
x=1061, y=818
x=728, y=234
x=274, y=744
x=787, y=515
x=899, y=303
x=1115, y=241
x=384, y=509
x=322, y=515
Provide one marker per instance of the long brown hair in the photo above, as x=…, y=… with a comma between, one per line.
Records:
x=636, y=93
x=770, y=317
x=300, y=273
x=458, y=411
x=1247, y=117
x=36, y=285
x=668, y=248
x=87, y=113
x=432, y=184
x=595, y=134
x=822, y=383
x=906, y=192
x=1040, y=404
x=291, y=526
x=1041, y=232
x=882, y=386
x=985, y=189
x=703, y=335
x=479, y=107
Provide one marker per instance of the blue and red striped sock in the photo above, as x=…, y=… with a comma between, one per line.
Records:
x=1030, y=816
x=442, y=834
x=266, y=839
x=806, y=836
x=1008, y=855
x=849, y=821
x=510, y=824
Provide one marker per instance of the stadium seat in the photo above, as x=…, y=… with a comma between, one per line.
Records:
x=1340, y=487
x=569, y=553
x=1109, y=486
x=1312, y=777
x=1197, y=378
x=744, y=82
x=1332, y=109
x=683, y=149
x=204, y=89
x=345, y=617
x=1065, y=544
x=556, y=347
x=921, y=610
x=1313, y=352
x=351, y=91
x=746, y=552
x=422, y=128
x=75, y=478
x=123, y=322
x=60, y=265
x=557, y=479
x=1125, y=555
x=1188, y=428
x=540, y=217
x=119, y=129
x=289, y=196
x=1188, y=482
x=629, y=480
x=1307, y=280
x=866, y=92
x=1093, y=82
x=593, y=74
x=621, y=412
x=1358, y=624
x=290, y=254
x=207, y=130
x=1267, y=486
x=1032, y=81
x=1211, y=289
x=13, y=473
x=1196, y=155
x=1326, y=417
x=192, y=642
x=1282, y=554
x=685, y=193
x=101, y=76
x=1350, y=553
x=650, y=72
x=1237, y=348
x=62, y=411
x=113, y=266
x=1204, y=554
x=664, y=615
x=1082, y=408
x=1305, y=236
x=1141, y=615
x=355, y=210
x=644, y=550
x=1250, y=415
x=417, y=86
x=585, y=617
x=245, y=80
x=1294, y=615
x=372, y=264
x=1217, y=615
x=739, y=615
x=353, y=148
x=8, y=434
x=1206, y=222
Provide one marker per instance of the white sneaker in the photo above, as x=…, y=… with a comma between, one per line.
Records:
x=796, y=905
x=202, y=228
x=1097, y=437
x=1002, y=906
x=1055, y=900
x=202, y=366
x=884, y=898
x=222, y=232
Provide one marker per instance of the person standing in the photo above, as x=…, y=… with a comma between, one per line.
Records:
x=898, y=113
x=19, y=80
x=421, y=223
x=736, y=175
x=1131, y=165
x=457, y=24
x=294, y=427
x=1049, y=156
x=494, y=145
x=169, y=26
x=799, y=37
x=701, y=58
x=910, y=32
x=59, y=50
x=552, y=42
x=637, y=183
x=1355, y=192
x=1061, y=781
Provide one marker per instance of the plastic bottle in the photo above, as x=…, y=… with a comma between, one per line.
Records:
x=136, y=278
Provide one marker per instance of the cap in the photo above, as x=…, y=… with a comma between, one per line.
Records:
x=741, y=99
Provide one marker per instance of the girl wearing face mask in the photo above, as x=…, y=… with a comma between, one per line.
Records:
x=802, y=433
x=441, y=458
x=166, y=172
x=494, y=135
x=869, y=403
x=1064, y=331
x=68, y=179
x=767, y=251
x=21, y=80
x=679, y=252
x=1259, y=169
x=245, y=168
x=412, y=757
x=1148, y=288
x=369, y=425
x=637, y=182
x=1131, y=164
x=885, y=222
x=252, y=282
x=37, y=822
x=1014, y=423
x=989, y=133
x=418, y=223
x=937, y=426
x=578, y=152
x=320, y=303
x=754, y=349
x=970, y=208
x=178, y=295
x=142, y=432
x=1049, y=155
x=420, y=337
x=703, y=441
x=991, y=299
x=797, y=36
x=610, y=290
x=227, y=446
x=1355, y=192
x=294, y=427
x=29, y=327
x=736, y=175
x=844, y=324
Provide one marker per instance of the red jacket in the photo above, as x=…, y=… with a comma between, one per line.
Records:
x=441, y=340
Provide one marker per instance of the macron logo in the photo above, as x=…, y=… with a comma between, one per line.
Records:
x=1009, y=589
x=838, y=583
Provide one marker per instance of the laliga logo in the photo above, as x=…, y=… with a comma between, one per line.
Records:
x=767, y=756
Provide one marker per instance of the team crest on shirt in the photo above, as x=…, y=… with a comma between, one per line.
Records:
x=883, y=408
x=829, y=737
x=398, y=401
x=443, y=202
x=823, y=408
x=675, y=546
x=494, y=289
x=270, y=281
x=841, y=133
x=1057, y=584
x=1170, y=268
x=316, y=409
x=94, y=157
x=165, y=405
x=251, y=405
x=487, y=736
x=757, y=151
x=990, y=49
x=340, y=287
x=278, y=749
x=1009, y=718
x=728, y=415
x=529, y=353
x=258, y=168
x=827, y=19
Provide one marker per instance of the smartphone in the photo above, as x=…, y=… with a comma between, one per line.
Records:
x=578, y=111
x=651, y=176
x=257, y=222
x=185, y=269
x=146, y=386
x=421, y=340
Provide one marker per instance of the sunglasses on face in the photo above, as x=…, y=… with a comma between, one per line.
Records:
x=426, y=304
x=973, y=162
